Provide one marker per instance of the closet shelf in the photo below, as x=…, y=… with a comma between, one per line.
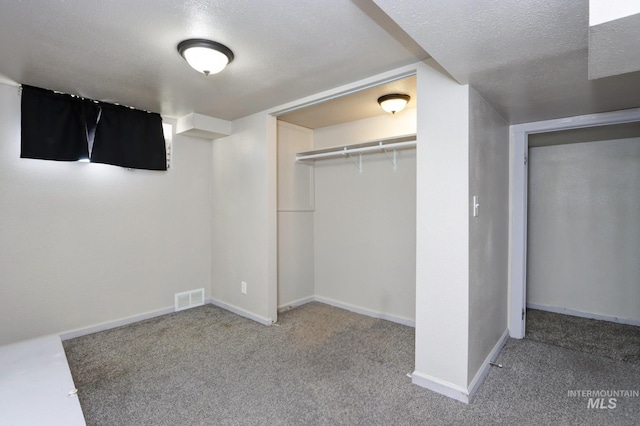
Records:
x=407, y=141
x=384, y=145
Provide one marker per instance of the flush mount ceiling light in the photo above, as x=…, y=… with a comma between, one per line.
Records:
x=205, y=56
x=394, y=102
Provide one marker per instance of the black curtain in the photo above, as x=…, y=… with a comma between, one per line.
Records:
x=55, y=125
x=62, y=127
x=129, y=138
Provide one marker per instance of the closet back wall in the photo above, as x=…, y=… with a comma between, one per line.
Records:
x=365, y=223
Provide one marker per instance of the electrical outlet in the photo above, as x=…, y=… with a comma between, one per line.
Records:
x=243, y=287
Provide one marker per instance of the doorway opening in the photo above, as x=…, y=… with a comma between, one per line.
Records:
x=583, y=240
x=521, y=136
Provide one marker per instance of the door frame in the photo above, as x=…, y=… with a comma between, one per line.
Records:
x=518, y=178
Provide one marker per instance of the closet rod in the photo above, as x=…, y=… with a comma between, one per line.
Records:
x=347, y=150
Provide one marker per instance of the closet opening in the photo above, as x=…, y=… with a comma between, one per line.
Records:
x=347, y=219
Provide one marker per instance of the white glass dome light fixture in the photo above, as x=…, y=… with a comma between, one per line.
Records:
x=205, y=56
x=394, y=102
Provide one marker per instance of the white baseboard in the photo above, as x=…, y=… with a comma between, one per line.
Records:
x=147, y=315
x=440, y=386
x=296, y=303
x=236, y=310
x=567, y=311
x=364, y=311
x=239, y=311
x=113, y=324
x=484, y=369
x=457, y=392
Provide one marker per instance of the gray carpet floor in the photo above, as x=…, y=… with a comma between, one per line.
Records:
x=604, y=338
x=322, y=366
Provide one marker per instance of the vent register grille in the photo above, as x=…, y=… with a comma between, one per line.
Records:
x=189, y=299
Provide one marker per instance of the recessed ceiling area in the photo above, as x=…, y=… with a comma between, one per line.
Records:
x=355, y=106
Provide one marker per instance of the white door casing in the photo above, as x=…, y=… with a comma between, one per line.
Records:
x=519, y=147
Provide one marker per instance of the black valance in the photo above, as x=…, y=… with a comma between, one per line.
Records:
x=66, y=128
x=55, y=125
x=129, y=138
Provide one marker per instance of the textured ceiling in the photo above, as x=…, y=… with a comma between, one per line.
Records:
x=125, y=51
x=528, y=58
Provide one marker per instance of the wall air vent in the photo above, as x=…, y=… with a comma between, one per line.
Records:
x=189, y=299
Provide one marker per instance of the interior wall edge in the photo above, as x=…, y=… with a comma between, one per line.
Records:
x=442, y=234
x=272, y=217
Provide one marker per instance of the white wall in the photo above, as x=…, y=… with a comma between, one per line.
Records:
x=583, y=228
x=489, y=231
x=365, y=222
x=442, y=251
x=368, y=129
x=244, y=219
x=82, y=244
x=295, y=258
x=296, y=202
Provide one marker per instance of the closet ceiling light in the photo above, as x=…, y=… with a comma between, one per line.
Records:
x=205, y=56
x=394, y=102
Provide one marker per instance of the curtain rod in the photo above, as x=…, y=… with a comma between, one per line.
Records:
x=58, y=92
